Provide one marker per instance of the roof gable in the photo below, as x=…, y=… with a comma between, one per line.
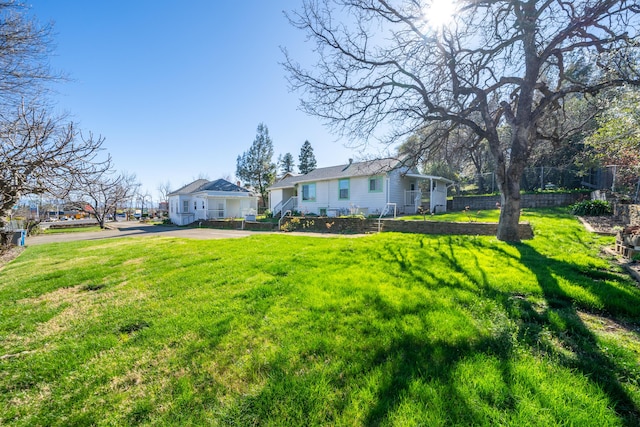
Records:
x=205, y=185
x=190, y=188
x=222, y=185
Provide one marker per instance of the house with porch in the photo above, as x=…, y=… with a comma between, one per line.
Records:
x=205, y=200
x=375, y=187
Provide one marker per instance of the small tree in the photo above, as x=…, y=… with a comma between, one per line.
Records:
x=164, y=189
x=103, y=192
x=307, y=160
x=255, y=166
x=285, y=163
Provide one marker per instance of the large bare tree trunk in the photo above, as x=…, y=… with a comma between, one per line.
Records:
x=509, y=184
x=509, y=211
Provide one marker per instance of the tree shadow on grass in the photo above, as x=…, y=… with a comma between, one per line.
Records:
x=415, y=358
x=558, y=315
x=574, y=334
x=388, y=368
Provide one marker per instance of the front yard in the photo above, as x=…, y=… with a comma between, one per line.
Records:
x=387, y=329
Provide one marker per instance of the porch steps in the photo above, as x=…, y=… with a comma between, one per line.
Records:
x=371, y=226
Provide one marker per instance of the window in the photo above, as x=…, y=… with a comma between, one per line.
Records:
x=185, y=206
x=375, y=184
x=203, y=204
x=343, y=189
x=308, y=192
x=195, y=205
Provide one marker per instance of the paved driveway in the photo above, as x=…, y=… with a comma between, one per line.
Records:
x=138, y=229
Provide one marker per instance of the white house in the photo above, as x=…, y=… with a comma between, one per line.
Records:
x=203, y=200
x=370, y=188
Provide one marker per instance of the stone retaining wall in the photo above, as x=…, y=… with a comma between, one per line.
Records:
x=236, y=225
x=329, y=225
x=628, y=214
x=359, y=226
x=541, y=200
x=463, y=228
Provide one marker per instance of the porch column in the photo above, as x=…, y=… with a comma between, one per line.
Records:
x=431, y=205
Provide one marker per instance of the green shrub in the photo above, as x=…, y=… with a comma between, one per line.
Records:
x=592, y=208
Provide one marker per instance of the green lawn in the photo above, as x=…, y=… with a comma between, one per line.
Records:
x=388, y=329
x=71, y=230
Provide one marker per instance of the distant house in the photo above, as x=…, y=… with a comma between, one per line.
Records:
x=203, y=200
x=369, y=188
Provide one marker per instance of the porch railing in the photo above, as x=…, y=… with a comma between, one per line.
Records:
x=289, y=205
x=215, y=213
x=387, y=208
x=413, y=198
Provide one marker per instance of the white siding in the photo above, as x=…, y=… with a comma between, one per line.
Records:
x=328, y=197
x=275, y=197
x=439, y=197
x=180, y=216
x=215, y=207
x=397, y=187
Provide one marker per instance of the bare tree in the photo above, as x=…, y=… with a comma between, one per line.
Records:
x=101, y=193
x=24, y=50
x=163, y=190
x=498, y=64
x=40, y=154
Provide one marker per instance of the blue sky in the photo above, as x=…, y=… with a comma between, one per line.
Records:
x=178, y=88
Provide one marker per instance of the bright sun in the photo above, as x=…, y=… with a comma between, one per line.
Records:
x=440, y=13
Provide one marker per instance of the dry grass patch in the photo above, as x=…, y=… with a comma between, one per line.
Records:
x=604, y=326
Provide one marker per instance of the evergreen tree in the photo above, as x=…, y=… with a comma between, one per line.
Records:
x=255, y=166
x=285, y=163
x=307, y=160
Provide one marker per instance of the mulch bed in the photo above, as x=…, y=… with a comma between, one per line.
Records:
x=8, y=254
x=605, y=225
x=601, y=224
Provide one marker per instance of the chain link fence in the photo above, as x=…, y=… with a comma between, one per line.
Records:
x=611, y=178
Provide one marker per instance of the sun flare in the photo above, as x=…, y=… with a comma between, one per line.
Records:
x=440, y=13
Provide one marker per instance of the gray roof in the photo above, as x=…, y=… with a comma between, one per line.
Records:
x=190, y=188
x=287, y=182
x=368, y=168
x=222, y=185
x=204, y=185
